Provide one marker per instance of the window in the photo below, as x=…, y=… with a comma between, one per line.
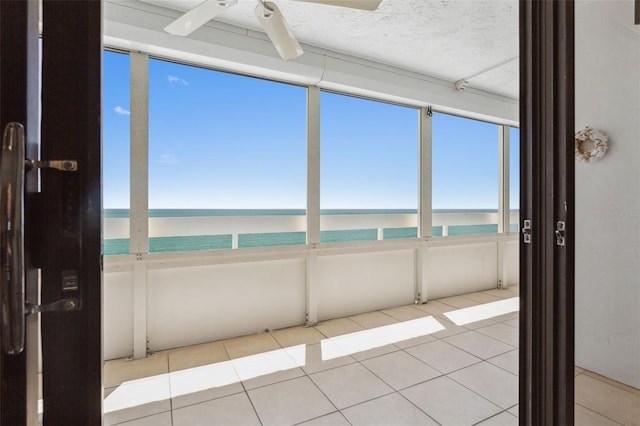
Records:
x=115, y=136
x=227, y=164
x=227, y=160
x=514, y=178
x=368, y=169
x=465, y=175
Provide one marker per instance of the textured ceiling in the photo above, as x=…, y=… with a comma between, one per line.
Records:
x=475, y=40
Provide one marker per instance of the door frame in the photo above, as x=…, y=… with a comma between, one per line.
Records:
x=71, y=209
x=72, y=356
x=547, y=197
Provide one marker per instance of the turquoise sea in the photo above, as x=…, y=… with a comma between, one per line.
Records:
x=218, y=242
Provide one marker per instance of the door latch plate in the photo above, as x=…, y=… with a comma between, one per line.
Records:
x=62, y=305
x=526, y=231
x=62, y=165
x=560, y=232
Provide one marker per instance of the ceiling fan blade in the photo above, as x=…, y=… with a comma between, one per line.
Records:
x=278, y=30
x=198, y=16
x=353, y=4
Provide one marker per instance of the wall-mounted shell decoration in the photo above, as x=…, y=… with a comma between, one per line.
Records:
x=591, y=145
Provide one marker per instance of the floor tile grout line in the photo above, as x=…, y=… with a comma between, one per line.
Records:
x=500, y=367
x=322, y=392
x=411, y=402
x=620, y=386
x=170, y=389
x=429, y=365
x=389, y=384
x=323, y=415
x=368, y=400
x=395, y=392
x=143, y=417
x=495, y=338
x=495, y=415
x=210, y=399
x=371, y=312
x=599, y=413
x=255, y=411
x=471, y=390
x=470, y=353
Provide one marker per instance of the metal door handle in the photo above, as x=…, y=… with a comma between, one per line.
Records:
x=12, y=288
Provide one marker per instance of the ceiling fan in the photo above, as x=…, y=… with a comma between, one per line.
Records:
x=268, y=15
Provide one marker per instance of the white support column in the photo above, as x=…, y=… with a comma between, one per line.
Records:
x=311, y=298
x=139, y=104
x=503, y=279
x=424, y=186
x=421, y=275
x=503, y=180
x=313, y=202
x=139, y=308
x=424, y=201
x=313, y=165
x=139, y=202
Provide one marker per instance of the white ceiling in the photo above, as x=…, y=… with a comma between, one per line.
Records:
x=475, y=40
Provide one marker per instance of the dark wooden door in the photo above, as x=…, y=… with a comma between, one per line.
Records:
x=547, y=204
x=60, y=110
x=19, y=104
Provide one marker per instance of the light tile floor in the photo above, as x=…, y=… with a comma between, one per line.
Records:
x=352, y=371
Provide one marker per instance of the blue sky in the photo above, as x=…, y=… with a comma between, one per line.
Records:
x=219, y=140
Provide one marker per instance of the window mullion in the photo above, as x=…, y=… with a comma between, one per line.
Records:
x=139, y=213
x=425, y=184
x=503, y=180
x=139, y=202
x=313, y=165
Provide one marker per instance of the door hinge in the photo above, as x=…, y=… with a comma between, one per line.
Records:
x=526, y=231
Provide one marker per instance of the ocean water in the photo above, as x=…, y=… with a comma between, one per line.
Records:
x=219, y=242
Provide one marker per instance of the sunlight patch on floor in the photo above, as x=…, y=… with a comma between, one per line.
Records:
x=485, y=311
x=359, y=341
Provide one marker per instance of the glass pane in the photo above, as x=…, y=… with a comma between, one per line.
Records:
x=368, y=169
x=115, y=151
x=514, y=178
x=465, y=176
x=227, y=160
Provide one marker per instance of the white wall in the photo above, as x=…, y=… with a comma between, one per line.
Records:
x=608, y=192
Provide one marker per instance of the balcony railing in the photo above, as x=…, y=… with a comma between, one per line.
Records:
x=225, y=232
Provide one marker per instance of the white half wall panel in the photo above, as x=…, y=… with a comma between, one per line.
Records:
x=355, y=283
x=193, y=305
x=511, y=261
x=459, y=269
x=118, y=314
